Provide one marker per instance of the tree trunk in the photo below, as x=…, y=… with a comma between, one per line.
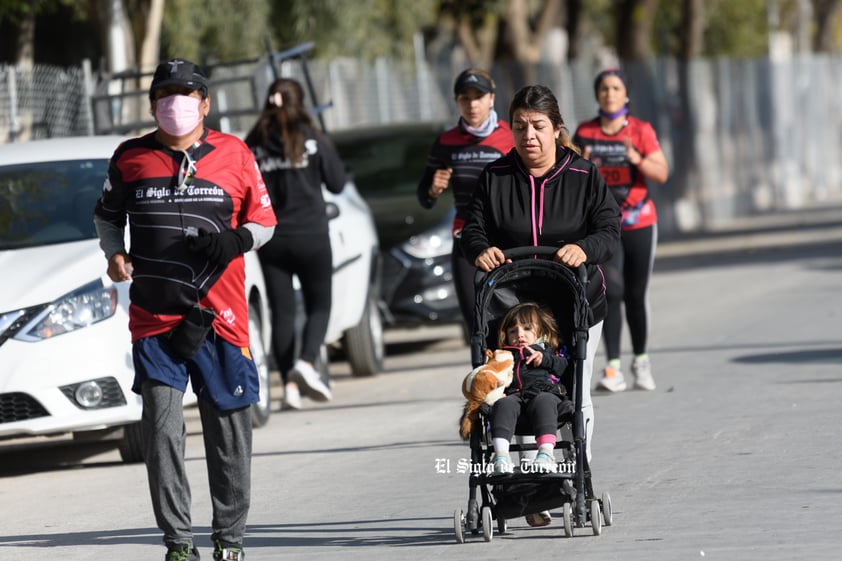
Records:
x=685, y=168
x=120, y=52
x=634, y=30
x=25, y=55
x=826, y=14
x=150, y=47
x=574, y=11
x=692, y=29
x=523, y=43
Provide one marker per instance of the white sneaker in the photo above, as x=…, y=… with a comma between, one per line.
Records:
x=292, y=397
x=544, y=463
x=309, y=381
x=642, y=370
x=502, y=465
x=612, y=380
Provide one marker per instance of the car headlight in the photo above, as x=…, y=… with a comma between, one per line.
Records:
x=435, y=242
x=85, y=306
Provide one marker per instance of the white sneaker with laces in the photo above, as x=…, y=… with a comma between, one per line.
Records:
x=292, y=397
x=612, y=380
x=309, y=381
x=642, y=370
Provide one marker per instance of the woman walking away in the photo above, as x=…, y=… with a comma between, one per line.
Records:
x=295, y=160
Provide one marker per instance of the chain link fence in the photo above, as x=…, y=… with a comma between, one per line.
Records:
x=742, y=137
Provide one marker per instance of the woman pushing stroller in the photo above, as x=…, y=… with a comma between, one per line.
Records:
x=530, y=333
x=543, y=193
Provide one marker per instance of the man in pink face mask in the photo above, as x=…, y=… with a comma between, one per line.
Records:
x=180, y=102
x=194, y=201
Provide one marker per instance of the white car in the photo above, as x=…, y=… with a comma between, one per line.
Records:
x=65, y=350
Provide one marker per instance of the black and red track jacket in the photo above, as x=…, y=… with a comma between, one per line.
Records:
x=467, y=155
x=226, y=192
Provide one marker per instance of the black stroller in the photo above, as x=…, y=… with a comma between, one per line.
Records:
x=533, y=276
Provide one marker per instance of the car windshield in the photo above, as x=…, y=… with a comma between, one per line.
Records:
x=49, y=202
x=390, y=164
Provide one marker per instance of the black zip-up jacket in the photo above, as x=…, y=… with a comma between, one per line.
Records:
x=537, y=378
x=570, y=204
x=296, y=189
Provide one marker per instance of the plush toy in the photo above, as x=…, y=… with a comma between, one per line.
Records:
x=485, y=384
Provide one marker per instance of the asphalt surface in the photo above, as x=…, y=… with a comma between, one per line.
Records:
x=735, y=456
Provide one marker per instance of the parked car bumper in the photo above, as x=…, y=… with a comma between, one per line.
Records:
x=41, y=381
x=418, y=285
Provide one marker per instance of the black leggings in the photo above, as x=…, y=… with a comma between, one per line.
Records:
x=626, y=281
x=310, y=259
x=464, y=274
x=542, y=411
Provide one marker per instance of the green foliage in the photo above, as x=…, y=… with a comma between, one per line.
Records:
x=600, y=16
x=736, y=28
x=367, y=28
x=214, y=30
x=15, y=10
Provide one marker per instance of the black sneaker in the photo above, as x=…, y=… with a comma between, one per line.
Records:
x=226, y=551
x=181, y=552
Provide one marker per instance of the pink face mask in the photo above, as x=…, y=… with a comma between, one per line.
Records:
x=177, y=114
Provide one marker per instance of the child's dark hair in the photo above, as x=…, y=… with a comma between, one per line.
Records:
x=530, y=313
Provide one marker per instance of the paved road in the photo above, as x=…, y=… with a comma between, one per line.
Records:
x=735, y=456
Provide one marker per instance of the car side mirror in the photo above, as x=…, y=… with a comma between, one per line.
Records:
x=332, y=210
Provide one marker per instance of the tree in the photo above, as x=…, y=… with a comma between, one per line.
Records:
x=367, y=28
x=498, y=30
x=23, y=16
x=826, y=18
x=635, y=21
x=205, y=31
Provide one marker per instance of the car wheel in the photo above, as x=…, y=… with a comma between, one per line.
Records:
x=131, y=445
x=363, y=343
x=261, y=410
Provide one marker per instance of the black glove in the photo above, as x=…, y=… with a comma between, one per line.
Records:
x=222, y=247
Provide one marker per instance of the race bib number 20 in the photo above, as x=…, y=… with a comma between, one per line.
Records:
x=616, y=175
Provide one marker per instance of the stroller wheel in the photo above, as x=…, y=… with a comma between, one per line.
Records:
x=607, y=513
x=458, y=526
x=596, y=518
x=567, y=517
x=487, y=528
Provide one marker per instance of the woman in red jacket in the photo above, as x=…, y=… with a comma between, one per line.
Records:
x=627, y=153
x=543, y=193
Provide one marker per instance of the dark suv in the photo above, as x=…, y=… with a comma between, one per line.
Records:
x=387, y=163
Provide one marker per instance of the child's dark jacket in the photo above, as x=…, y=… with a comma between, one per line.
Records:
x=530, y=380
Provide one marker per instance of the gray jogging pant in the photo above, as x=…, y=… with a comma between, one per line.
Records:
x=228, y=440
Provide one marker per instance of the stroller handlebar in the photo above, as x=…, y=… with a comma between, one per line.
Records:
x=545, y=252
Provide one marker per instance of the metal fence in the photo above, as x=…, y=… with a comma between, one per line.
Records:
x=749, y=136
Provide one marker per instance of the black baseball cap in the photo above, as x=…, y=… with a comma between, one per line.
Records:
x=179, y=72
x=471, y=79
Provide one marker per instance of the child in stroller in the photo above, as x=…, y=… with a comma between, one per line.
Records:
x=530, y=333
x=531, y=275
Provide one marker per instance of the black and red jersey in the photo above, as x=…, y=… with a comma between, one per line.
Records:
x=627, y=184
x=148, y=184
x=467, y=155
